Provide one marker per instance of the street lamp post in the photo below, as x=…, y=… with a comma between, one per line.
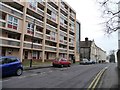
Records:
x=32, y=44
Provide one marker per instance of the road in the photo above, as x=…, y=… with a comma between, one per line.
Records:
x=76, y=76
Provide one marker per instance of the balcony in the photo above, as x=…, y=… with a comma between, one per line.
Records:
x=64, y=25
x=63, y=50
x=72, y=30
x=48, y=37
x=54, y=1
x=51, y=8
x=9, y=42
x=8, y=9
x=63, y=42
x=64, y=9
x=2, y=23
x=51, y=18
x=39, y=34
x=71, y=44
x=50, y=48
x=71, y=51
x=41, y=12
x=72, y=15
x=31, y=19
x=64, y=17
x=42, y=2
x=49, y=27
x=36, y=46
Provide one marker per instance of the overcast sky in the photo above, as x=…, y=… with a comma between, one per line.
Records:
x=89, y=16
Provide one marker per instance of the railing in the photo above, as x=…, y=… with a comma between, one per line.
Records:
x=63, y=50
x=64, y=17
x=35, y=45
x=64, y=9
x=51, y=8
x=11, y=10
x=56, y=3
x=50, y=48
x=8, y=41
x=39, y=34
x=71, y=29
x=31, y=19
x=63, y=33
x=72, y=15
x=49, y=27
x=41, y=12
x=42, y=2
x=71, y=44
x=47, y=37
x=71, y=51
x=65, y=42
x=51, y=18
x=2, y=23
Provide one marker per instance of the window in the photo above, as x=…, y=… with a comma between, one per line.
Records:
x=33, y=4
x=61, y=38
x=12, y=22
x=53, y=35
x=8, y=60
x=61, y=21
x=54, y=16
x=30, y=28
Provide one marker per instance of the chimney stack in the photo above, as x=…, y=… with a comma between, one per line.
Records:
x=86, y=39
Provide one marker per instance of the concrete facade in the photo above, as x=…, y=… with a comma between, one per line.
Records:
x=78, y=39
x=42, y=29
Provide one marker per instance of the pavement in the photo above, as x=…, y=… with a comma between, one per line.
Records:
x=44, y=65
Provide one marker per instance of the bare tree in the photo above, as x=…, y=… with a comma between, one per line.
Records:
x=111, y=14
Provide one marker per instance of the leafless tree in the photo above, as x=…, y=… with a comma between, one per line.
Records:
x=111, y=14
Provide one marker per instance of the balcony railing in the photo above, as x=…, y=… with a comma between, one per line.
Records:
x=64, y=9
x=31, y=19
x=39, y=34
x=71, y=29
x=72, y=15
x=71, y=44
x=11, y=10
x=2, y=23
x=49, y=27
x=35, y=45
x=63, y=50
x=9, y=42
x=42, y=2
x=71, y=51
x=48, y=37
x=51, y=18
x=64, y=17
x=51, y=8
x=54, y=1
x=41, y=12
x=50, y=48
x=64, y=25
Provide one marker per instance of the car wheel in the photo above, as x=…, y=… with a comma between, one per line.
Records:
x=19, y=72
x=61, y=66
x=68, y=65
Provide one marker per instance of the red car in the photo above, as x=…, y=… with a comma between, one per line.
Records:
x=61, y=62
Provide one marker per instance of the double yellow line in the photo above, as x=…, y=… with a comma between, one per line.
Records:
x=94, y=83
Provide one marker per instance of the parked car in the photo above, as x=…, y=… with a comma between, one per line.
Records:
x=61, y=62
x=93, y=61
x=85, y=61
x=10, y=65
